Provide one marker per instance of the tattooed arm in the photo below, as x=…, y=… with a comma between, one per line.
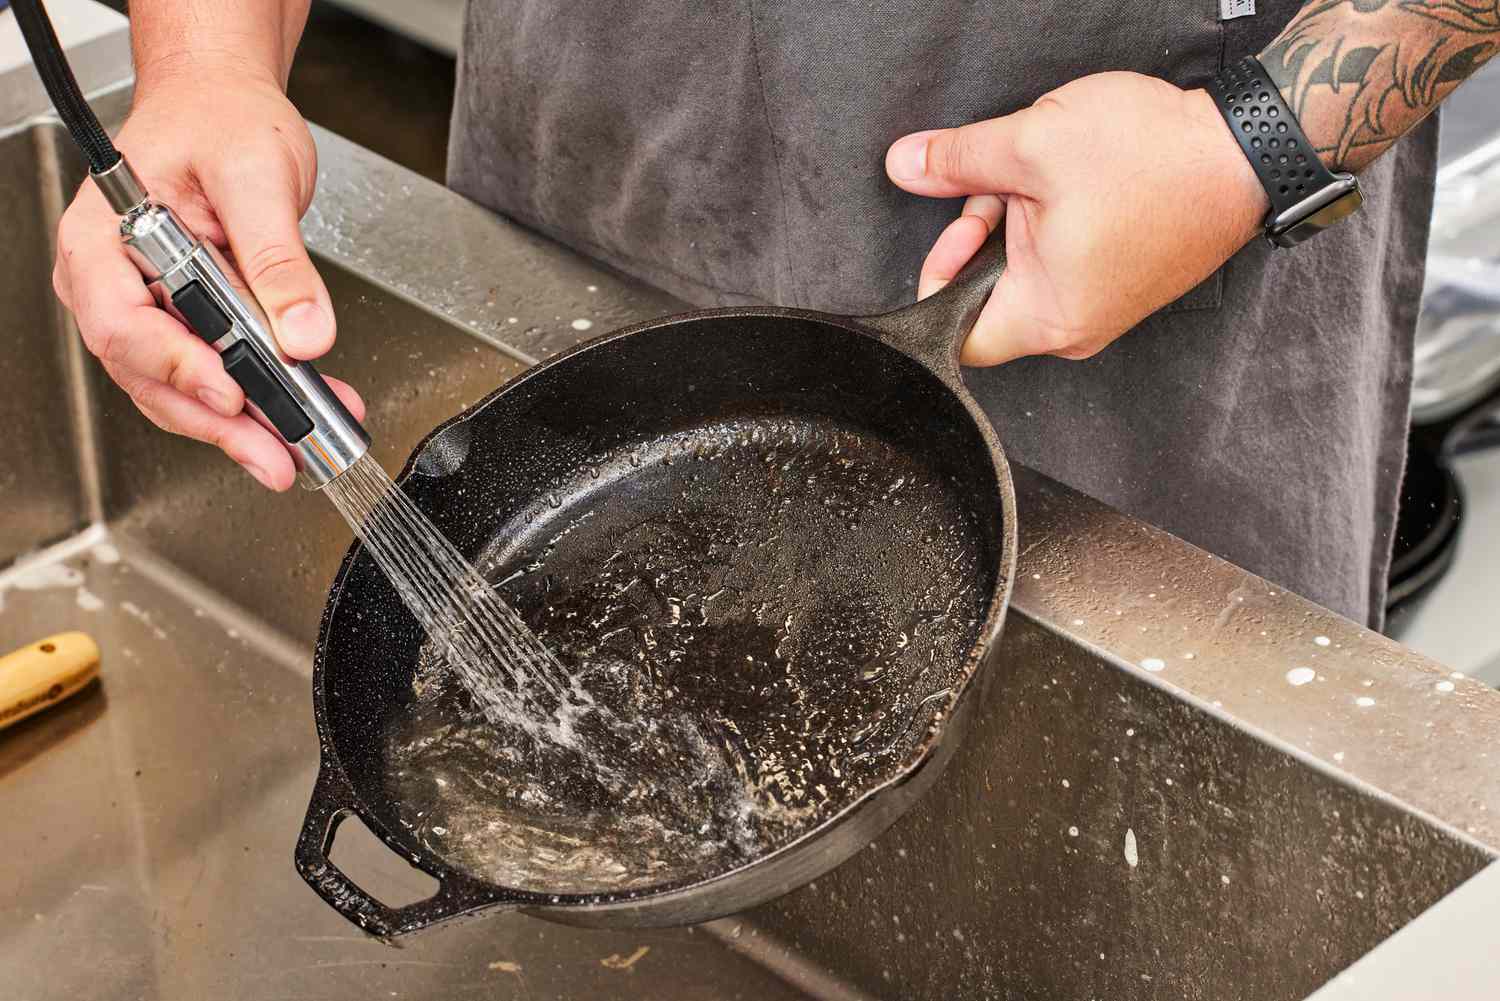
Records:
x=1101, y=184
x=1361, y=73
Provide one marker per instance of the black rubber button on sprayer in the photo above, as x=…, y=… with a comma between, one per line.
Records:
x=264, y=390
x=202, y=314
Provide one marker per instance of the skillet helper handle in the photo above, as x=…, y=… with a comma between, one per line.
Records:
x=934, y=329
x=333, y=801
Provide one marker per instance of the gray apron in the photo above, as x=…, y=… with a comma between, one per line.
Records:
x=732, y=153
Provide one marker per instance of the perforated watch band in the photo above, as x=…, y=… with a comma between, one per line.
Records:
x=1280, y=153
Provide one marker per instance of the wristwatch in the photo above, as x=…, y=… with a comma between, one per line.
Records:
x=1306, y=197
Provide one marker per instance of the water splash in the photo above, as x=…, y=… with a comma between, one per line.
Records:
x=508, y=672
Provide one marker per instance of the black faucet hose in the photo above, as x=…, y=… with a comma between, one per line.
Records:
x=62, y=87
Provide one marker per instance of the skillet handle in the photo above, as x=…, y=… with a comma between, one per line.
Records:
x=333, y=801
x=934, y=329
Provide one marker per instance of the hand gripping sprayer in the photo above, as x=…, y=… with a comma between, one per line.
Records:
x=191, y=280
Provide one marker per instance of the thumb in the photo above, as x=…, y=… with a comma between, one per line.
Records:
x=259, y=210
x=981, y=158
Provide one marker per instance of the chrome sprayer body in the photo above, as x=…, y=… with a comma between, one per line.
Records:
x=190, y=278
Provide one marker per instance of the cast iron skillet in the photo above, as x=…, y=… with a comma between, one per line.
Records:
x=777, y=443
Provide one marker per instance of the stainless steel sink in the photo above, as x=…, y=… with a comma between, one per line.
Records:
x=1146, y=807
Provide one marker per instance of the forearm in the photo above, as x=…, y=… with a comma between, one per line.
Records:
x=1362, y=73
x=171, y=36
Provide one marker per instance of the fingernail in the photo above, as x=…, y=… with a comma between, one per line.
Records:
x=931, y=287
x=259, y=474
x=304, y=328
x=908, y=160
x=216, y=401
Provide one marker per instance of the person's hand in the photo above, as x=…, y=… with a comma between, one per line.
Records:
x=230, y=155
x=1119, y=192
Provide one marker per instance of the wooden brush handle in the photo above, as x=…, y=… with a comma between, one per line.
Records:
x=44, y=673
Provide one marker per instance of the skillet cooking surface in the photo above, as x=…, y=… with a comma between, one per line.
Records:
x=774, y=586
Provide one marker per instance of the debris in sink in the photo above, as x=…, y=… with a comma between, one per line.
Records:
x=618, y=962
x=137, y=612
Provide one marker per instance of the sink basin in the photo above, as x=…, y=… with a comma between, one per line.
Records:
x=1185, y=781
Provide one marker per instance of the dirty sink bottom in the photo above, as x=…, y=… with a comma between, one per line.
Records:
x=156, y=813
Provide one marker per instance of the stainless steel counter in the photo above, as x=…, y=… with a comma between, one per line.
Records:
x=1148, y=806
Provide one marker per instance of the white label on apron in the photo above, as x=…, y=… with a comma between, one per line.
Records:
x=1231, y=9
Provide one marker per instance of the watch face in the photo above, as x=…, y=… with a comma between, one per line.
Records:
x=1310, y=226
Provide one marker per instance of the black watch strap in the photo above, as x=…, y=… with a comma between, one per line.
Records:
x=1283, y=158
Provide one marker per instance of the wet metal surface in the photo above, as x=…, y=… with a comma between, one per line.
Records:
x=1249, y=849
x=1099, y=835
x=1340, y=698
x=39, y=472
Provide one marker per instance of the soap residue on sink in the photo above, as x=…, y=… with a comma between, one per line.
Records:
x=45, y=576
x=48, y=568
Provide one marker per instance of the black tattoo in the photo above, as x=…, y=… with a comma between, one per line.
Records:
x=1360, y=73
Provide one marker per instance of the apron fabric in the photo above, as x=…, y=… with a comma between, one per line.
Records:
x=732, y=153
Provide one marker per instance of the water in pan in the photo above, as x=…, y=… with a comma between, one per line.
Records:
x=767, y=615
